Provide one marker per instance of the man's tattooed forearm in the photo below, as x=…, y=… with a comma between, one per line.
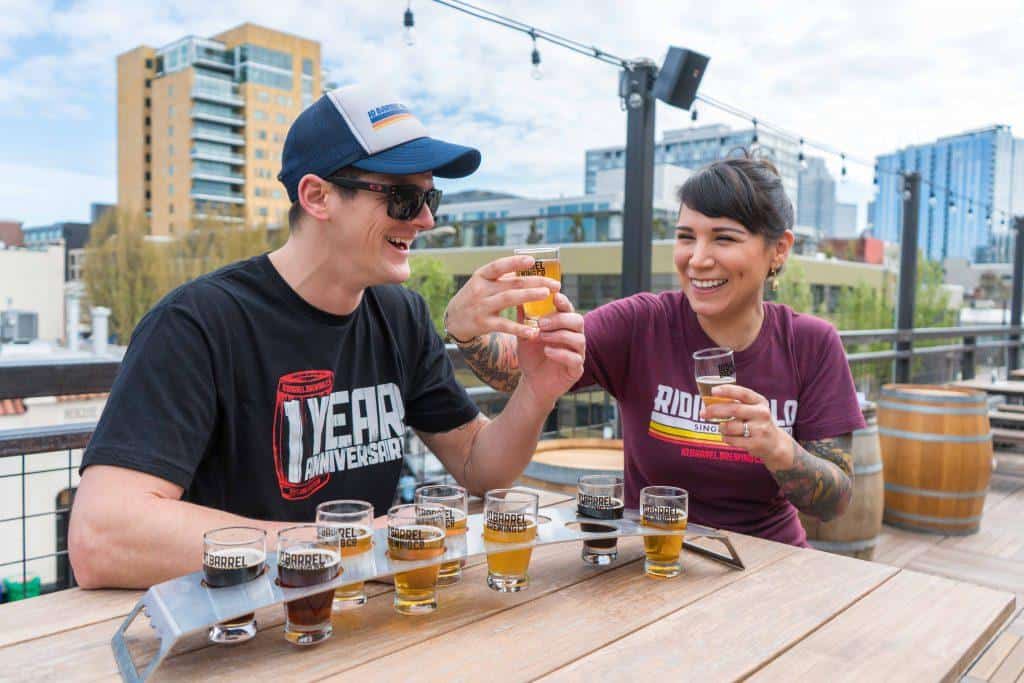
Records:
x=820, y=482
x=493, y=359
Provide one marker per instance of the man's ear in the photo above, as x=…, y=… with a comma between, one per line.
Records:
x=313, y=195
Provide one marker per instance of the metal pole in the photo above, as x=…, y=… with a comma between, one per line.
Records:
x=908, y=273
x=1013, y=352
x=637, y=208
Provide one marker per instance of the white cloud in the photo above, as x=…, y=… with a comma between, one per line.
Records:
x=38, y=196
x=864, y=78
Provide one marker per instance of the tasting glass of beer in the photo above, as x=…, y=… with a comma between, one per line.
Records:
x=353, y=522
x=663, y=507
x=455, y=502
x=545, y=264
x=416, y=532
x=599, y=496
x=307, y=555
x=714, y=367
x=233, y=555
x=510, y=517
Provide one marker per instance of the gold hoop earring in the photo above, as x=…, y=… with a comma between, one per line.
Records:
x=773, y=280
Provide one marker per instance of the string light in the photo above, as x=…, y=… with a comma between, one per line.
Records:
x=604, y=56
x=410, y=26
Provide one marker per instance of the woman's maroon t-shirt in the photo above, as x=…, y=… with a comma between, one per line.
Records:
x=640, y=350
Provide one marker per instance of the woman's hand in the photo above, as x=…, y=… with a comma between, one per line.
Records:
x=476, y=308
x=752, y=428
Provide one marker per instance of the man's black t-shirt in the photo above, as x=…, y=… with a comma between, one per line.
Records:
x=256, y=402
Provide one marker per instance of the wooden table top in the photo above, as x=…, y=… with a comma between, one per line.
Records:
x=793, y=614
x=1001, y=387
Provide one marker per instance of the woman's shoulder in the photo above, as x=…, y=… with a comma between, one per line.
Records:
x=804, y=326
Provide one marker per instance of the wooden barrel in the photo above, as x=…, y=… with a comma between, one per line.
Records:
x=937, y=450
x=855, y=533
x=559, y=463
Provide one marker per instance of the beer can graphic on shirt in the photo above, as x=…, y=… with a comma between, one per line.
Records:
x=293, y=430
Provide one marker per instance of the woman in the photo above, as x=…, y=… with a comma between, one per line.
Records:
x=787, y=444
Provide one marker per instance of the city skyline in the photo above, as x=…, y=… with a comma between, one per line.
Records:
x=830, y=73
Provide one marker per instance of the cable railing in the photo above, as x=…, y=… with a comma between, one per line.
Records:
x=38, y=465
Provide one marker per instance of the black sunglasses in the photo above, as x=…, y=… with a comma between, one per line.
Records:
x=404, y=201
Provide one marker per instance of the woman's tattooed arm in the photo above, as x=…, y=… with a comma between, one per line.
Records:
x=820, y=482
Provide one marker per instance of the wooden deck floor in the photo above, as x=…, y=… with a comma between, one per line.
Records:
x=993, y=557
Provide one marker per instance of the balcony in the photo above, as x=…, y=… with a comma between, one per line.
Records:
x=224, y=158
x=227, y=197
x=218, y=95
x=215, y=135
x=232, y=178
x=199, y=115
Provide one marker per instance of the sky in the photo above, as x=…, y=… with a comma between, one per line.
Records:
x=865, y=77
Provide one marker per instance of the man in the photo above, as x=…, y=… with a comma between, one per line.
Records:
x=251, y=394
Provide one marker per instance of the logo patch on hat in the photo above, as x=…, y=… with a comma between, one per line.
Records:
x=388, y=114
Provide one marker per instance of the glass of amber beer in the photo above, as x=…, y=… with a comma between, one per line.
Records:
x=599, y=496
x=231, y=556
x=456, y=504
x=545, y=264
x=416, y=532
x=510, y=517
x=663, y=507
x=713, y=367
x=307, y=555
x=353, y=522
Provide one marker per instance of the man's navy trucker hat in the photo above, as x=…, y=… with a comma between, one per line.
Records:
x=370, y=129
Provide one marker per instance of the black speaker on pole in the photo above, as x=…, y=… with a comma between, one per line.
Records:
x=680, y=76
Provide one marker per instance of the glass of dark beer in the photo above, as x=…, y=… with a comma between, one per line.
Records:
x=231, y=556
x=713, y=367
x=599, y=496
x=307, y=555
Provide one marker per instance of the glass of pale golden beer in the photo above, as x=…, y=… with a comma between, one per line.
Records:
x=663, y=507
x=713, y=367
x=545, y=264
x=307, y=555
x=416, y=532
x=510, y=517
x=233, y=555
x=599, y=496
x=352, y=521
x=455, y=502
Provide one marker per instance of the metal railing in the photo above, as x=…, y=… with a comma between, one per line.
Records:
x=31, y=454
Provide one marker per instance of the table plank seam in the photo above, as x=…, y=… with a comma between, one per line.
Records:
x=828, y=621
x=702, y=596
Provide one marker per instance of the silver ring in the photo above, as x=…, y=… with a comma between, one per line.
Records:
x=746, y=430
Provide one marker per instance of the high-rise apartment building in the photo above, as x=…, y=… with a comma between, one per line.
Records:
x=201, y=123
x=694, y=147
x=972, y=185
x=817, y=197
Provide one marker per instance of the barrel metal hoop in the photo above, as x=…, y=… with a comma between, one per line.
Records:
x=867, y=431
x=860, y=471
x=555, y=474
x=929, y=410
x=844, y=546
x=955, y=397
x=924, y=436
x=931, y=493
x=933, y=520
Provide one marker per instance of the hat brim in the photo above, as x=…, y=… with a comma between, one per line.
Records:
x=444, y=159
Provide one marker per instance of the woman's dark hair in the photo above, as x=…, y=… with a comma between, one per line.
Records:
x=745, y=189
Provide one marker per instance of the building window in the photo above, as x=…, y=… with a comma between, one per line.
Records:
x=281, y=118
x=149, y=63
x=307, y=66
x=170, y=169
x=148, y=82
x=170, y=111
x=263, y=96
x=259, y=115
x=261, y=134
x=147, y=102
x=170, y=208
x=260, y=153
x=257, y=191
x=170, y=91
x=170, y=150
x=263, y=211
x=170, y=188
x=284, y=100
x=277, y=137
x=276, y=194
x=170, y=131
x=147, y=121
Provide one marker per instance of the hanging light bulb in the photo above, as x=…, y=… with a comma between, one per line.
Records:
x=409, y=34
x=800, y=157
x=952, y=205
x=536, y=72
x=931, y=198
x=874, y=180
x=753, y=139
x=693, y=113
x=842, y=172
x=970, y=208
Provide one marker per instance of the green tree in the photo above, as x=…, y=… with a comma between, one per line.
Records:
x=794, y=290
x=491, y=236
x=576, y=232
x=659, y=228
x=535, y=236
x=434, y=283
x=123, y=270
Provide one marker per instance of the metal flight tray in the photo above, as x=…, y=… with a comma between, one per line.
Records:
x=184, y=606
